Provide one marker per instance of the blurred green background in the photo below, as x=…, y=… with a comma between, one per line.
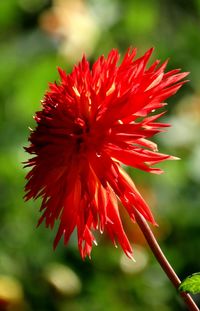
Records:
x=36, y=37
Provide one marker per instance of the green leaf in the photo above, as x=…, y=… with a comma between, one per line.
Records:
x=191, y=284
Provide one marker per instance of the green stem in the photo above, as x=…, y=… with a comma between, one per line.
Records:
x=153, y=244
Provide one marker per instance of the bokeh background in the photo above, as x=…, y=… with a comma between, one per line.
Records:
x=36, y=37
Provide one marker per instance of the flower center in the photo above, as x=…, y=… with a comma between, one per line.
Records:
x=81, y=132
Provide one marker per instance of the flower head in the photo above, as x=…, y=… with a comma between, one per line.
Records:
x=92, y=122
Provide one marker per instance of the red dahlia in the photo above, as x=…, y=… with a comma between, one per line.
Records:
x=92, y=122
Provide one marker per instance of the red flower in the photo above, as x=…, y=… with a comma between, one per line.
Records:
x=92, y=122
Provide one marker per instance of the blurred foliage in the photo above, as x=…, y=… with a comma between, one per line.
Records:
x=36, y=37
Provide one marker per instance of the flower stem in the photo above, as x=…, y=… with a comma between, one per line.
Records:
x=153, y=244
